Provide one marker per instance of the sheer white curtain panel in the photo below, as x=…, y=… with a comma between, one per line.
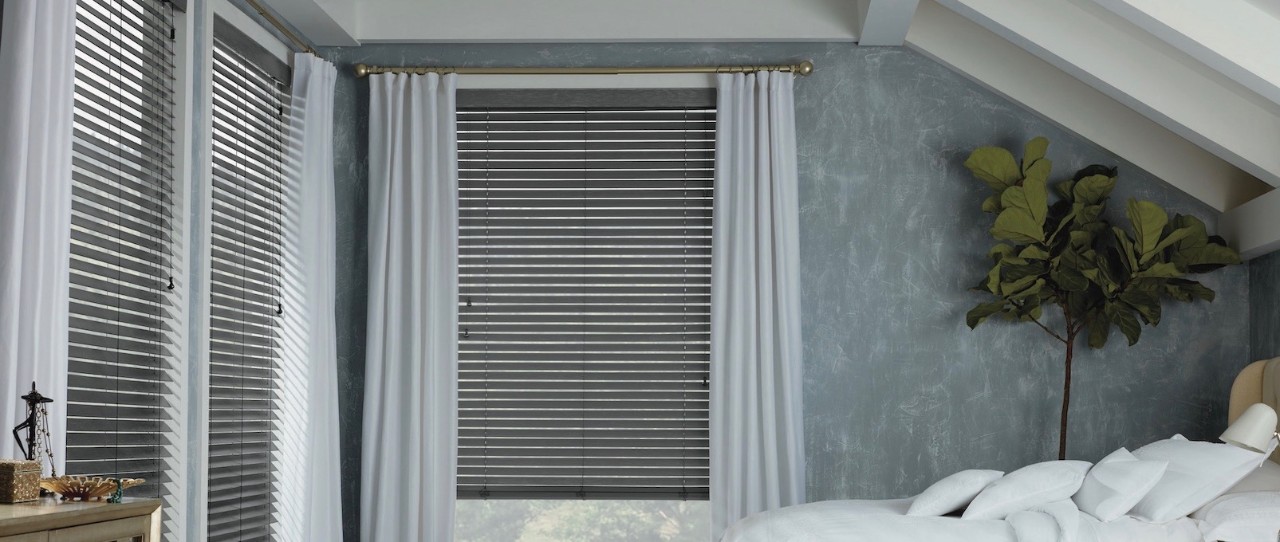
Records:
x=409, y=460
x=757, y=447
x=37, y=67
x=309, y=436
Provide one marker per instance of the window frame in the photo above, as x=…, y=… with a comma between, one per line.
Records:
x=176, y=525
x=470, y=102
x=249, y=203
x=199, y=39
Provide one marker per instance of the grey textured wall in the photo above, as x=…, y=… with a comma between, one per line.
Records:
x=898, y=392
x=1264, y=306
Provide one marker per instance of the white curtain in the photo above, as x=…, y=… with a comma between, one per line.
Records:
x=757, y=451
x=37, y=56
x=308, y=403
x=408, y=466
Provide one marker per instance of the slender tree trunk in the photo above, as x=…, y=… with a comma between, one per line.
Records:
x=1066, y=399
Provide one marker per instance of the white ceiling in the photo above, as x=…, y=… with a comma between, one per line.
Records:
x=423, y=21
x=1269, y=6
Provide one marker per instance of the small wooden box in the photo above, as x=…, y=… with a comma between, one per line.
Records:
x=19, y=481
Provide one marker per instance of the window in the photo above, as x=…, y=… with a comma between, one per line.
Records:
x=585, y=266
x=122, y=373
x=248, y=134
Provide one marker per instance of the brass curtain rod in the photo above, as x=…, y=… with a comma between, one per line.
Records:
x=803, y=68
x=281, y=27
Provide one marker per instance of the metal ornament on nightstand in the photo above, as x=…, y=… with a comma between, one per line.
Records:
x=37, y=427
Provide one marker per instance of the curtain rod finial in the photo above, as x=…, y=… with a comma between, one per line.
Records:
x=361, y=70
x=806, y=68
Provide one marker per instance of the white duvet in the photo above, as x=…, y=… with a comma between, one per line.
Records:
x=886, y=521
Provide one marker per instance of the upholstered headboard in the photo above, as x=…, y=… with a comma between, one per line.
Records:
x=1257, y=383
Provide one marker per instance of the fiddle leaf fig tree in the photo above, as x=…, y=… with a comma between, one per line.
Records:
x=1055, y=250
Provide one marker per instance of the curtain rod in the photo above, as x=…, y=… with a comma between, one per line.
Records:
x=281, y=27
x=803, y=68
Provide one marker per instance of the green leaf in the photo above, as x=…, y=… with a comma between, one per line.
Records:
x=1031, y=196
x=1009, y=289
x=1064, y=189
x=1030, y=292
x=1039, y=170
x=1126, y=249
x=1147, y=304
x=994, y=166
x=1036, y=312
x=1148, y=220
x=1033, y=252
x=1173, y=237
x=1082, y=302
x=1188, y=290
x=1111, y=271
x=979, y=314
x=1014, y=197
x=1019, y=226
x=1000, y=252
x=1028, y=303
x=991, y=204
x=1162, y=270
x=1033, y=152
x=1016, y=271
x=1093, y=189
x=1013, y=260
x=1062, y=222
x=1125, y=320
x=1069, y=279
x=1087, y=214
x=1199, y=235
x=993, y=280
x=1037, y=195
x=1207, y=257
x=1081, y=238
x=1099, y=328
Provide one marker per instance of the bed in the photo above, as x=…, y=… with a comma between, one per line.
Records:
x=887, y=520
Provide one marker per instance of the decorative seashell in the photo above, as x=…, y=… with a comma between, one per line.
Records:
x=84, y=488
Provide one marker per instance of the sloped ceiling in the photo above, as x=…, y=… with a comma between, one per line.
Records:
x=1186, y=89
x=1202, y=71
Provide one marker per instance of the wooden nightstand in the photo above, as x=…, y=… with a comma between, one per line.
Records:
x=50, y=520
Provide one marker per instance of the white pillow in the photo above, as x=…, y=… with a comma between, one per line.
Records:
x=1057, y=521
x=1198, y=472
x=1116, y=484
x=1241, y=517
x=1028, y=487
x=952, y=493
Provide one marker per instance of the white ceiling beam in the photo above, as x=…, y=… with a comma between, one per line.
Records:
x=1138, y=70
x=321, y=22
x=885, y=22
x=1253, y=228
x=1039, y=86
x=606, y=21
x=1236, y=38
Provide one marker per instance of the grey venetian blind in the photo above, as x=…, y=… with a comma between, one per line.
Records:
x=121, y=369
x=248, y=139
x=584, y=265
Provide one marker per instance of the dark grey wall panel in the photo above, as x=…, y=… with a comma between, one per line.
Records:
x=1264, y=306
x=898, y=392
